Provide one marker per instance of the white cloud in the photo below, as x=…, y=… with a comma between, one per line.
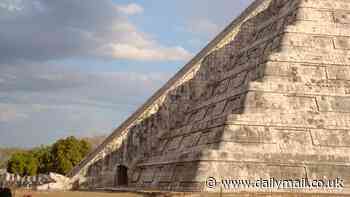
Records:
x=12, y=5
x=132, y=44
x=130, y=9
x=52, y=101
x=84, y=30
x=155, y=53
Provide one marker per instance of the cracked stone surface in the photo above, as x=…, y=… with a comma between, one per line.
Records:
x=268, y=98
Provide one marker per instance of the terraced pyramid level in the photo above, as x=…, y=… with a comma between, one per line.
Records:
x=267, y=98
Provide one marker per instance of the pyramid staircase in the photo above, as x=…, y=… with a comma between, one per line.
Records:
x=268, y=98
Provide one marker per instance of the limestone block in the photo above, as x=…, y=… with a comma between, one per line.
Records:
x=161, y=146
x=338, y=72
x=219, y=108
x=190, y=141
x=275, y=119
x=303, y=55
x=211, y=136
x=207, y=93
x=216, y=109
x=297, y=72
x=341, y=42
x=285, y=172
x=184, y=130
x=234, y=73
x=341, y=16
x=237, y=80
x=217, y=122
x=287, y=140
x=174, y=143
x=312, y=27
x=265, y=31
x=198, y=115
x=199, y=126
x=254, y=171
x=307, y=40
x=147, y=175
x=108, y=178
x=256, y=51
x=300, y=88
x=165, y=173
x=260, y=101
x=332, y=138
x=247, y=134
x=333, y=104
x=241, y=58
x=329, y=120
x=326, y=4
x=221, y=87
x=311, y=14
x=186, y=172
x=293, y=141
x=233, y=104
x=329, y=172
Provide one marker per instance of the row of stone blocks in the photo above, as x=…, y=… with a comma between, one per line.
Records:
x=194, y=176
x=274, y=105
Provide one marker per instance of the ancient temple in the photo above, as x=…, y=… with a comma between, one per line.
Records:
x=269, y=97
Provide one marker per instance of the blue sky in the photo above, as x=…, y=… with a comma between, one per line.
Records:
x=81, y=67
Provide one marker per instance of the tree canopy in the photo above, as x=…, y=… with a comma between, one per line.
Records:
x=61, y=157
x=67, y=153
x=22, y=163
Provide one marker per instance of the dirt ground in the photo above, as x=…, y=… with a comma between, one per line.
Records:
x=23, y=193
x=71, y=194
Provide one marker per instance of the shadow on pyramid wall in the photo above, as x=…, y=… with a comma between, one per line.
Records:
x=191, y=120
x=193, y=134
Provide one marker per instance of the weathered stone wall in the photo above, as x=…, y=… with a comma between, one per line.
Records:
x=271, y=101
x=219, y=88
x=117, y=140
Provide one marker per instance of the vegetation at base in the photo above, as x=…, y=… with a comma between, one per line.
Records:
x=5, y=154
x=61, y=157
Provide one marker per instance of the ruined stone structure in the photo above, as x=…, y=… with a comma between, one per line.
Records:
x=267, y=98
x=51, y=181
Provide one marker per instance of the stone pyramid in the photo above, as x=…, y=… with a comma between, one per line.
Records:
x=267, y=98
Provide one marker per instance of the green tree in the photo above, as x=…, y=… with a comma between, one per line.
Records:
x=67, y=153
x=16, y=163
x=61, y=157
x=22, y=163
x=31, y=167
x=5, y=154
x=44, y=157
